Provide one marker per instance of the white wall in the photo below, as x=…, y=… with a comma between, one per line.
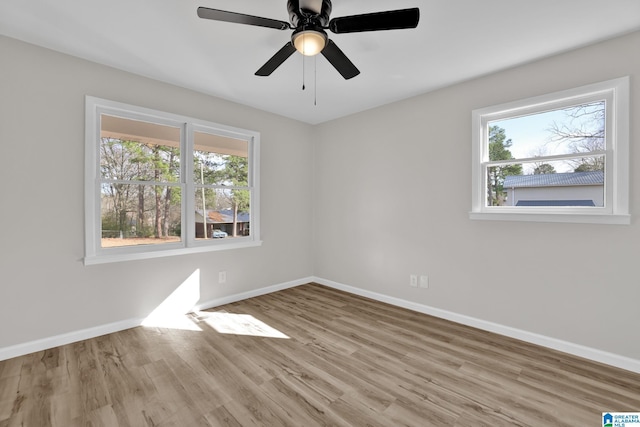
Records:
x=45, y=290
x=393, y=192
x=387, y=193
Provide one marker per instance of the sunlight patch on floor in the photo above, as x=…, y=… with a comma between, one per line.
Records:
x=172, y=312
x=239, y=324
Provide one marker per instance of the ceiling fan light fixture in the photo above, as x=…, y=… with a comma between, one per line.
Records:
x=309, y=42
x=309, y=19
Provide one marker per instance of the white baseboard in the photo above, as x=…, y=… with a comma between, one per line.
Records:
x=596, y=355
x=83, y=334
x=68, y=338
x=616, y=360
x=251, y=294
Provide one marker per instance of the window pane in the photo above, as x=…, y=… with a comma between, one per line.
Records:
x=133, y=150
x=220, y=160
x=226, y=212
x=575, y=129
x=140, y=214
x=565, y=183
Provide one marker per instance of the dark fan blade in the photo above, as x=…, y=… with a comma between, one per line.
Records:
x=276, y=60
x=241, y=18
x=390, y=20
x=339, y=60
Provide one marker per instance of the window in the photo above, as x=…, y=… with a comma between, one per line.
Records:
x=160, y=184
x=561, y=157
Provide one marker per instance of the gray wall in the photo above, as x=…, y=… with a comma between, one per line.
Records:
x=45, y=288
x=376, y=196
x=393, y=192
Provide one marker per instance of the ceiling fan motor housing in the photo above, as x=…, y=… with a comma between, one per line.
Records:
x=299, y=17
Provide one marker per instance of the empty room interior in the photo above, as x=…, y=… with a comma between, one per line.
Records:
x=332, y=241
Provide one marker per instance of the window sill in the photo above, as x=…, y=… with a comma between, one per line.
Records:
x=616, y=219
x=121, y=257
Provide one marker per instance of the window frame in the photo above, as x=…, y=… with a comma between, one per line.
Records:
x=94, y=252
x=616, y=210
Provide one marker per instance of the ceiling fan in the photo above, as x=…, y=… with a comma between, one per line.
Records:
x=309, y=20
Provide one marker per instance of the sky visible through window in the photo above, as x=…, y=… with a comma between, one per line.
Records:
x=532, y=135
x=529, y=133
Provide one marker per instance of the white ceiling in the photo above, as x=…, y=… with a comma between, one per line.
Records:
x=456, y=40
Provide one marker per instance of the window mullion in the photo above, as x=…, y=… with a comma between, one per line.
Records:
x=569, y=156
x=189, y=201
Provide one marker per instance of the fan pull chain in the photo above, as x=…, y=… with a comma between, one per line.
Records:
x=303, y=61
x=315, y=80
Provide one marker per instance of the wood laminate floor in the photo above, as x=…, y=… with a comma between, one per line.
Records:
x=312, y=356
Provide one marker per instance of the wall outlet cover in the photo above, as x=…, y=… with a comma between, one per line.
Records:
x=413, y=281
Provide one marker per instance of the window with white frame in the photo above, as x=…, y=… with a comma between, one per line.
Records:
x=161, y=184
x=560, y=157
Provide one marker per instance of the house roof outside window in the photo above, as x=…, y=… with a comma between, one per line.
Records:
x=224, y=216
x=554, y=179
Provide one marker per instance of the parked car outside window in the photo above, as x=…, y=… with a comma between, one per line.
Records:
x=218, y=234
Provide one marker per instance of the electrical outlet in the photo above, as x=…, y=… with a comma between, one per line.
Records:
x=424, y=282
x=413, y=281
x=222, y=276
